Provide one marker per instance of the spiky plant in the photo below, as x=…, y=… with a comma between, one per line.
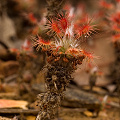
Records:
x=63, y=56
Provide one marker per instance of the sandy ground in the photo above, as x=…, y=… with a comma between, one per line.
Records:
x=106, y=114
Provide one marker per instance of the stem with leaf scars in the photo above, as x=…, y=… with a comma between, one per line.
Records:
x=57, y=78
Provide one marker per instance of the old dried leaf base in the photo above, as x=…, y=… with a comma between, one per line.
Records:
x=58, y=76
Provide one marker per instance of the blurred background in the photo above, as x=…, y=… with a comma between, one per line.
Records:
x=96, y=83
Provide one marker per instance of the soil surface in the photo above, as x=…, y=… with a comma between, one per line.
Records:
x=107, y=114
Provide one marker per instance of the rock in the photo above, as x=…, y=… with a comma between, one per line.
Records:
x=76, y=98
x=38, y=88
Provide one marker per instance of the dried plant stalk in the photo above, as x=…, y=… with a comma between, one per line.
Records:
x=57, y=78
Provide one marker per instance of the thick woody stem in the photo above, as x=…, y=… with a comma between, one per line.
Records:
x=57, y=79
